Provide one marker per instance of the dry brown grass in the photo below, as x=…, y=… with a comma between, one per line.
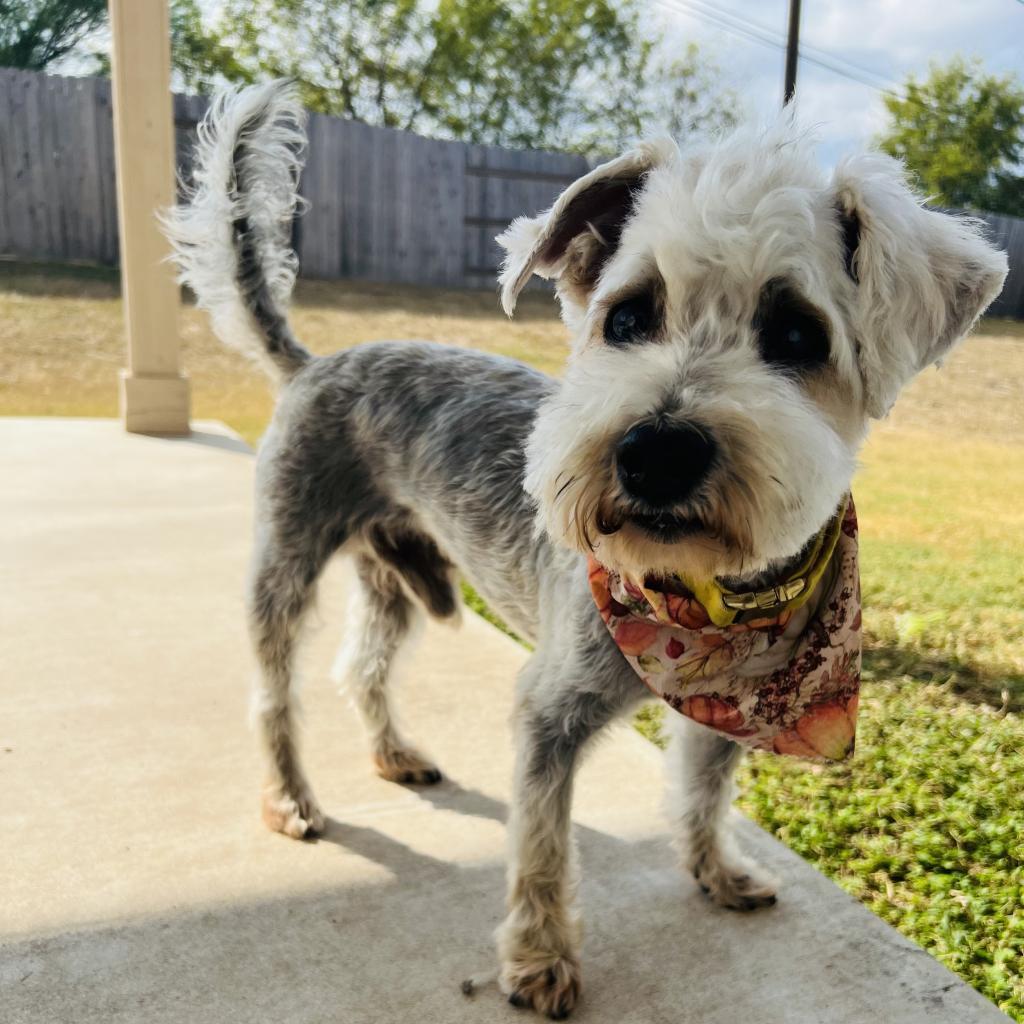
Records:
x=64, y=339
x=63, y=342
x=977, y=394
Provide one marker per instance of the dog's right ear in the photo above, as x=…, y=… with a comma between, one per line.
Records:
x=581, y=231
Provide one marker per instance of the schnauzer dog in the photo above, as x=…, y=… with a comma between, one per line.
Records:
x=737, y=318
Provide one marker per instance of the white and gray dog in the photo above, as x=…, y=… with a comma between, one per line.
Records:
x=737, y=318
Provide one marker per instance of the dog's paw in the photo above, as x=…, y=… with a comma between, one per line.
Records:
x=734, y=882
x=405, y=765
x=296, y=815
x=550, y=986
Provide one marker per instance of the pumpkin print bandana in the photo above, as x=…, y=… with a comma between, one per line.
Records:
x=804, y=704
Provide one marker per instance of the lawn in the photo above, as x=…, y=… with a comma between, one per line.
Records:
x=926, y=825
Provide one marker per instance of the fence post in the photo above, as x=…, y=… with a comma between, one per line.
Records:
x=154, y=392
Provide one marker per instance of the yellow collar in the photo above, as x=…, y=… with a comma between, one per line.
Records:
x=727, y=607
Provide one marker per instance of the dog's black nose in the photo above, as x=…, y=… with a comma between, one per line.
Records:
x=664, y=464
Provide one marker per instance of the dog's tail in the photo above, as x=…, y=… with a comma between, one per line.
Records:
x=232, y=235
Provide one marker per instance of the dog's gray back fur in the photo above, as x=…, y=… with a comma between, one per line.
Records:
x=415, y=451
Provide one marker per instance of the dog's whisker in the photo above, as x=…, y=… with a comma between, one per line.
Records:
x=561, y=490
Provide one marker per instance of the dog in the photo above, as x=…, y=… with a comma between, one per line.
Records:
x=737, y=318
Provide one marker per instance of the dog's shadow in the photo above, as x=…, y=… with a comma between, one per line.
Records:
x=448, y=795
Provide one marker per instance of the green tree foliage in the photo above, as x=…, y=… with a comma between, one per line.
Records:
x=562, y=74
x=961, y=131
x=36, y=33
x=200, y=56
x=583, y=75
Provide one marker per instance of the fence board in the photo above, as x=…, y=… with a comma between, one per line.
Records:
x=42, y=211
x=1008, y=234
x=108, y=177
x=27, y=235
x=356, y=222
x=50, y=102
x=385, y=205
x=73, y=169
x=320, y=244
x=7, y=173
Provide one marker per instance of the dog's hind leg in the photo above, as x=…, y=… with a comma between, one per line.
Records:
x=283, y=583
x=382, y=620
x=700, y=764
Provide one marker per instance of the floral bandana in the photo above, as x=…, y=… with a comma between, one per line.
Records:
x=803, y=702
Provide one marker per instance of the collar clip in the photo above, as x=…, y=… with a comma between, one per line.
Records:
x=766, y=600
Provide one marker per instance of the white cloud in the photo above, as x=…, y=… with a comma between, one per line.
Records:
x=888, y=38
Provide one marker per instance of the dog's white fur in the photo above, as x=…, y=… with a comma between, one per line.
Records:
x=715, y=224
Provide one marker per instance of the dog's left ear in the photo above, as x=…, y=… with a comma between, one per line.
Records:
x=922, y=277
x=581, y=230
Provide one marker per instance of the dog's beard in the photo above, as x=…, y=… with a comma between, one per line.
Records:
x=589, y=514
x=580, y=504
x=731, y=528
x=696, y=539
x=695, y=543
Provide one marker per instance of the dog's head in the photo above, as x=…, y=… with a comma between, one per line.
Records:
x=737, y=319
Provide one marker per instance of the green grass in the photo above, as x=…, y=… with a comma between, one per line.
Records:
x=475, y=603
x=926, y=824
x=942, y=572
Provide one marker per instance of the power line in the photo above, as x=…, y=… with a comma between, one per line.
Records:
x=769, y=37
x=776, y=38
x=759, y=34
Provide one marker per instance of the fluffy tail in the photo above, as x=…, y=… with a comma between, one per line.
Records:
x=232, y=236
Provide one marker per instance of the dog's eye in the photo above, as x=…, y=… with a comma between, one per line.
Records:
x=793, y=338
x=629, y=321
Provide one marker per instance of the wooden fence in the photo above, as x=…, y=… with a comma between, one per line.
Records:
x=385, y=205
x=1008, y=234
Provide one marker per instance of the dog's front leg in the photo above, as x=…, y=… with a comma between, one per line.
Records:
x=700, y=766
x=538, y=944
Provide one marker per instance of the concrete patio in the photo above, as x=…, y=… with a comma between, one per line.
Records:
x=138, y=884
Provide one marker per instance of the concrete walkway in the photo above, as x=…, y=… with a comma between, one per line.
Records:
x=138, y=885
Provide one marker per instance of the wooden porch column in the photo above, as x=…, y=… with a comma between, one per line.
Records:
x=154, y=392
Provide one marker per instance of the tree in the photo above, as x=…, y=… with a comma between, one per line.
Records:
x=36, y=33
x=961, y=131
x=579, y=75
x=561, y=74
x=200, y=56
x=683, y=95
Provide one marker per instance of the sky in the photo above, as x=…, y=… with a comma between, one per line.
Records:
x=888, y=39
x=885, y=39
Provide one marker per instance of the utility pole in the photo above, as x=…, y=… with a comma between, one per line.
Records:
x=792, y=51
